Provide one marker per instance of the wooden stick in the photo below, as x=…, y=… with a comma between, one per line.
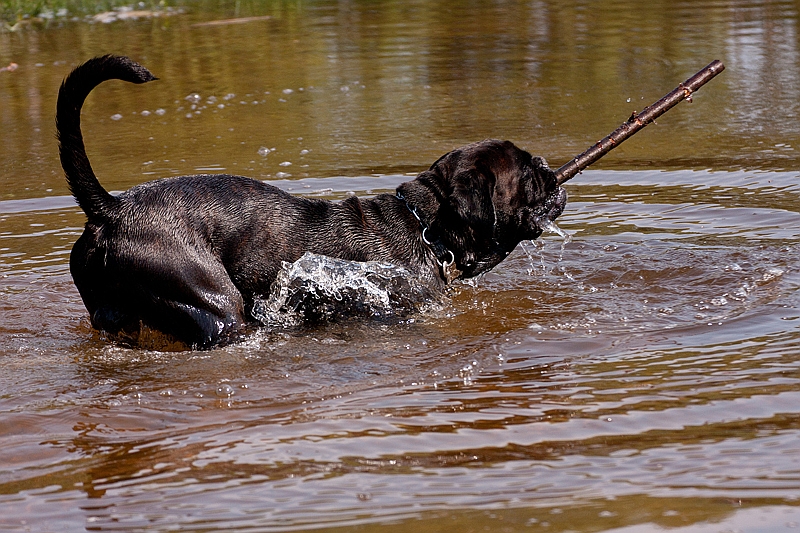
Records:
x=638, y=121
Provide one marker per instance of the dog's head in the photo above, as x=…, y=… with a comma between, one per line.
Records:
x=481, y=200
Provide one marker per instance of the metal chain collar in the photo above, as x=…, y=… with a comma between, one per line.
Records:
x=449, y=269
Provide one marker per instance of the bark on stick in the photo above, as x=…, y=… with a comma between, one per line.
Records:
x=638, y=121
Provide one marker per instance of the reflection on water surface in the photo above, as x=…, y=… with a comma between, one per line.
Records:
x=643, y=376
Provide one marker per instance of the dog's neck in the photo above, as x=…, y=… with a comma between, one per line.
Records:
x=445, y=257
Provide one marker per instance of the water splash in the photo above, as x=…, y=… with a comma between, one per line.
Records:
x=537, y=245
x=546, y=225
x=318, y=288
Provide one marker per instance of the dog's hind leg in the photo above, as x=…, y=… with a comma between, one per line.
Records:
x=192, y=325
x=199, y=327
x=202, y=307
x=193, y=301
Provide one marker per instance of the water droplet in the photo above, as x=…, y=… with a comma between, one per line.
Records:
x=285, y=164
x=116, y=116
x=193, y=98
x=145, y=113
x=550, y=226
x=160, y=111
x=288, y=91
x=225, y=391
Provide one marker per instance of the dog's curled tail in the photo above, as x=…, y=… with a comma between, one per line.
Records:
x=95, y=201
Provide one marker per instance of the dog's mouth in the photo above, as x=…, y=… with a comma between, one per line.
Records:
x=535, y=222
x=552, y=207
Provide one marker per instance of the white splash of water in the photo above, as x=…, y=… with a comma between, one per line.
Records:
x=321, y=288
x=546, y=225
x=538, y=245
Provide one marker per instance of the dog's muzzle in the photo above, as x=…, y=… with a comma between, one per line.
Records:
x=552, y=207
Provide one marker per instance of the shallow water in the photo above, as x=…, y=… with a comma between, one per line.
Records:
x=644, y=376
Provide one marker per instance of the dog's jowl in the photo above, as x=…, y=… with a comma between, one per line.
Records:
x=188, y=256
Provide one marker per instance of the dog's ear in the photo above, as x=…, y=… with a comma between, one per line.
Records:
x=471, y=226
x=471, y=199
x=455, y=204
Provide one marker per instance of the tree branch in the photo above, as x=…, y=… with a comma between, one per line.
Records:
x=638, y=121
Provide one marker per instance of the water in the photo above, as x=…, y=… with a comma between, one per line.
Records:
x=642, y=377
x=551, y=227
x=318, y=289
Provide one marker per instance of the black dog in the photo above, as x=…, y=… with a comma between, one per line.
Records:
x=188, y=256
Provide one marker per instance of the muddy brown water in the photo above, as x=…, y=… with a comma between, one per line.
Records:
x=643, y=377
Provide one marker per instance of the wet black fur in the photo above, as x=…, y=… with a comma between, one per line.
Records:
x=187, y=255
